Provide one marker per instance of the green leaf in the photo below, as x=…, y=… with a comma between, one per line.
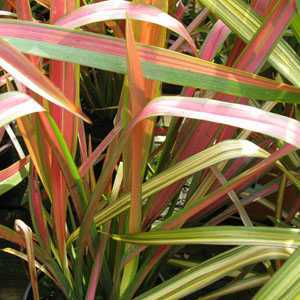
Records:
x=285, y=279
x=217, y=235
x=238, y=286
x=210, y=271
x=240, y=18
x=298, y=6
x=222, y=151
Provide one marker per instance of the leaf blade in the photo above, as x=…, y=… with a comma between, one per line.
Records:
x=115, y=10
x=159, y=64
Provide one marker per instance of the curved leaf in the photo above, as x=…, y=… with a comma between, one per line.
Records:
x=16, y=64
x=213, y=155
x=210, y=271
x=227, y=113
x=13, y=175
x=285, y=279
x=217, y=235
x=14, y=105
x=238, y=286
x=232, y=114
x=116, y=10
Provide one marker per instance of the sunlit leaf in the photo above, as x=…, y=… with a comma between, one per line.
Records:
x=159, y=64
x=218, y=235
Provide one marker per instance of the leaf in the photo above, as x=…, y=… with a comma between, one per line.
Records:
x=20, y=226
x=238, y=286
x=137, y=100
x=7, y=14
x=234, y=197
x=286, y=278
x=136, y=153
x=24, y=71
x=192, y=26
x=13, y=175
x=227, y=113
x=36, y=210
x=195, y=278
x=66, y=161
x=215, y=38
x=109, y=53
x=213, y=155
x=217, y=235
x=274, y=25
x=232, y=114
x=65, y=76
x=14, y=141
x=239, y=17
x=11, y=236
x=45, y=3
x=25, y=257
x=14, y=105
x=298, y=6
x=115, y=10
x=23, y=10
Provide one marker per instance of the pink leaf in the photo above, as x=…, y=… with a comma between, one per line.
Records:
x=115, y=10
x=14, y=105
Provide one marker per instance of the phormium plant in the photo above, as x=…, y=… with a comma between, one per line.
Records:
x=201, y=151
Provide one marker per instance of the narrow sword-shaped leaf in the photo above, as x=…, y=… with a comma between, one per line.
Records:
x=66, y=77
x=10, y=235
x=45, y=3
x=239, y=17
x=234, y=197
x=7, y=14
x=213, y=155
x=251, y=59
x=25, y=257
x=238, y=286
x=160, y=64
x=217, y=235
x=23, y=9
x=265, y=39
x=137, y=101
x=211, y=270
x=36, y=209
x=232, y=114
x=26, y=231
x=194, y=24
x=286, y=278
x=216, y=37
x=14, y=105
x=24, y=71
x=212, y=110
x=114, y=10
x=13, y=175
